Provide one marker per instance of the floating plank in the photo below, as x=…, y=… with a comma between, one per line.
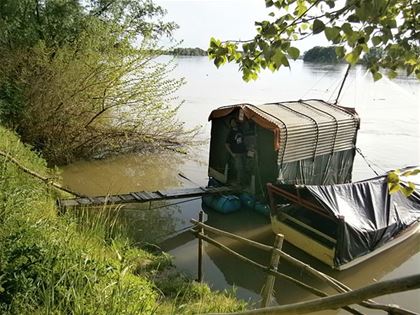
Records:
x=128, y=197
x=144, y=196
x=182, y=191
x=84, y=201
x=216, y=190
x=99, y=200
x=136, y=196
x=114, y=199
x=70, y=203
x=148, y=196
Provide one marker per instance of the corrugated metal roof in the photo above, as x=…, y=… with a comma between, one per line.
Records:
x=307, y=128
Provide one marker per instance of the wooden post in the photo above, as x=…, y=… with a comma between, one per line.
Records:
x=200, y=249
x=269, y=284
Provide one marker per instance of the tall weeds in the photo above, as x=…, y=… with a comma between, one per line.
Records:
x=79, y=263
x=55, y=265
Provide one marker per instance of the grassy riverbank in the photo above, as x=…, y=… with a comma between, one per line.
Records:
x=72, y=264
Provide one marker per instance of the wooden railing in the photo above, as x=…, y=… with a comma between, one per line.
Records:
x=343, y=299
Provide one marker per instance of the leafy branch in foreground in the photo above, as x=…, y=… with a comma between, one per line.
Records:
x=355, y=27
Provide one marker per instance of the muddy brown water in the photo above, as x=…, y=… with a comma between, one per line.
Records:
x=389, y=137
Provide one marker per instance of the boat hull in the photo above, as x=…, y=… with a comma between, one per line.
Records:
x=302, y=241
x=325, y=253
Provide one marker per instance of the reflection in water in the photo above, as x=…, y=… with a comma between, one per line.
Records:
x=317, y=69
x=157, y=221
x=389, y=137
x=222, y=270
x=141, y=217
x=127, y=173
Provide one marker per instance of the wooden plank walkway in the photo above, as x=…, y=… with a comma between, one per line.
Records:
x=143, y=196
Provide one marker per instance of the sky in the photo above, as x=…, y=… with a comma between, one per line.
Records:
x=199, y=20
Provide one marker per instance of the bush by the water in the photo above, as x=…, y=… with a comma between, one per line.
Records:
x=79, y=263
x=80, y=79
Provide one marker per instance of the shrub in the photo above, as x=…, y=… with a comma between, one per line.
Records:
x=82, y=81
x=80, y=262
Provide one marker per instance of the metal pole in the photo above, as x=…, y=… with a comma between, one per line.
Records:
x=200, y=248
x=269, y=284
x=342, y=83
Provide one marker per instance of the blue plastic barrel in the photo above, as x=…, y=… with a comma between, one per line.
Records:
x=262, y=208
x=222, y=203
x=247, y=200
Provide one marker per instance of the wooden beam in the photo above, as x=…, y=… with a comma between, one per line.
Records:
x=311, y=289
x=214, y=230
x=340, y=300
x=335, y=284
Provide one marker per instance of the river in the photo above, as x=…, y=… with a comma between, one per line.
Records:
x=389, y=137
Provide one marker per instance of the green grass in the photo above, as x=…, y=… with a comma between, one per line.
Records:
x=79, y=263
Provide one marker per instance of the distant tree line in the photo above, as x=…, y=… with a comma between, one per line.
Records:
x=321, y=55
x=329, y=55
x=188, y=52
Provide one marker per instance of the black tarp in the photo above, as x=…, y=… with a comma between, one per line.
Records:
x=368, y=215
x=327, y=169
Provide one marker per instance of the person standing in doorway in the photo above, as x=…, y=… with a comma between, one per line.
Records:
x=235, y=146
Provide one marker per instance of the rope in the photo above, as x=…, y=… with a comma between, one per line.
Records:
x=366, y=160
x=337, y=85
x=175, y=203
x=165, y=205
x=316, y=83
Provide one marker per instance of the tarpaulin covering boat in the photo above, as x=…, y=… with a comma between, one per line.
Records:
x=344, y=224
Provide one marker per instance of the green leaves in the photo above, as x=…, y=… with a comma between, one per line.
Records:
x=353, y=57
x=408, y=190
x=214, y=43
x=318, y=26
x=376, y=40
x=392, y=74
x=377, y=76
x=293, y=52
x=332, y=33
x=280, y=59
x=219, y=60
x=221, y=53
x=340, y=51
x=358, y=29
x=395, y=184
x=411, y=173
x=347, y=29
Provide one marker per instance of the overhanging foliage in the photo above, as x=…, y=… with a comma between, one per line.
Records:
x=354, y=26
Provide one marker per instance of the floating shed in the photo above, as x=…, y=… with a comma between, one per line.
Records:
x=294, y=142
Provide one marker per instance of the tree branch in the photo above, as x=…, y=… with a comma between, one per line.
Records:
x=33, y=173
